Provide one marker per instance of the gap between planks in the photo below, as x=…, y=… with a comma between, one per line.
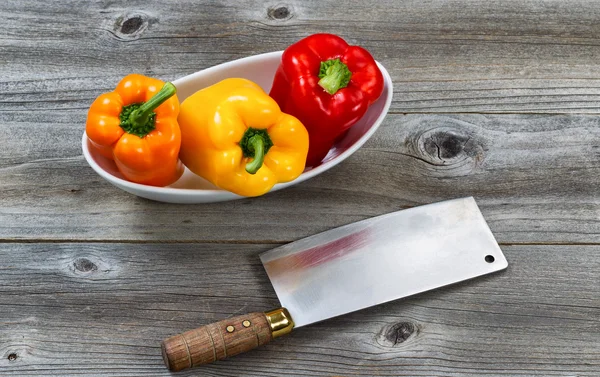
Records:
x=479, y=112
x=243, y=242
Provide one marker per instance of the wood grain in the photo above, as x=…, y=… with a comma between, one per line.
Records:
x=535, y=177
x=533, y=56
x=103, y=309
x=93, y=278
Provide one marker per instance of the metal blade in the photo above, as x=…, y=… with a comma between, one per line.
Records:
x=382, y=259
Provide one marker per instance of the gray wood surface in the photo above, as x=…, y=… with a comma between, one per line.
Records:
x=535, y=178
x=98, y=309
x=491, y=99
x=444, y=56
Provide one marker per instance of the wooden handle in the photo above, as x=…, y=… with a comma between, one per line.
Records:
x=223, y=339
x=216, y=341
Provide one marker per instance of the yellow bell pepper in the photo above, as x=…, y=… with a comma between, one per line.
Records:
x=235, y=136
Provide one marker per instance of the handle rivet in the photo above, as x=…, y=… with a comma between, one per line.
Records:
x=246, y=323
x=230, y=328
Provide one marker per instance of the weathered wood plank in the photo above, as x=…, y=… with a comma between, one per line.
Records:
x=536, y=179
x=102, y=310
x=444, y=56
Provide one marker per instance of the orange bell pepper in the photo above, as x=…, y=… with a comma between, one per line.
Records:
x=136, y=126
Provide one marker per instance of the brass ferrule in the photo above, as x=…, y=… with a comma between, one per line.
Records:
x=280, y=321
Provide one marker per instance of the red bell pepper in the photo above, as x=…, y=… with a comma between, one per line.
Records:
x=328, y=85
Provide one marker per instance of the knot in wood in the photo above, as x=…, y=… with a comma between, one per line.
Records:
x=450, y=149
x=279, y=12
x=84, y=265
x=397, y=333
x=131, y=26
x=12, y=357
x=445, y=146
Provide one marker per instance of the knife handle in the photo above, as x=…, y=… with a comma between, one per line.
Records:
x=226, y=338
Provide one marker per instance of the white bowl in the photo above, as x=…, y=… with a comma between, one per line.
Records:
x=191, y=188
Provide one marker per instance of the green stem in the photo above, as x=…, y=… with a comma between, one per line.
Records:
x=334, y=75
x=143, y=114
x=256, y=144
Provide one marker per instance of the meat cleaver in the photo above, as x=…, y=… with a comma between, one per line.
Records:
x=350, y=268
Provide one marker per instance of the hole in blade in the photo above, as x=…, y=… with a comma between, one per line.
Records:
x=490, y=258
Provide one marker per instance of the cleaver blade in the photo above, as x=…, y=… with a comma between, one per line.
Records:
x=382, y=259
x=349, y=268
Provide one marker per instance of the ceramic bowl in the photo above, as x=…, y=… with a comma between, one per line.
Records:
x=191, y=188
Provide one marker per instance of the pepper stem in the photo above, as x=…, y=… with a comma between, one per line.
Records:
x=143, y=114
x=334, y=75
x=257, y=144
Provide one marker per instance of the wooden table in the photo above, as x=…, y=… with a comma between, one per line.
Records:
x=498, y=100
